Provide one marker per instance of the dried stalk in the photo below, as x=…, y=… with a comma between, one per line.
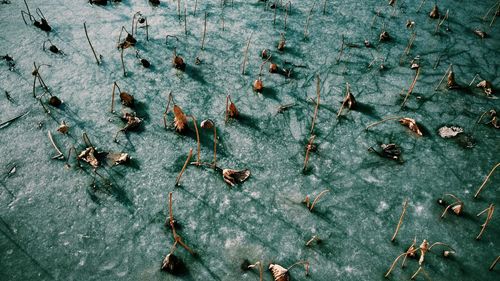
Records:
x=184, y=167
x=410, y=90
x=306, y=33
x=170, y=98
x=245, y=54
x=259, y=264
x=317, y=104
x=177, y=238
x=400, y=222
x=123, y=63
x=444, y=76
x=341, y=49
x=91, y=47
x=197, y=140
x=486, y=180
x=321, y=194
x=491, y=210
x=492, y=266
x=204, y=33
x=308, y=150
x=59, y=155
x=381, y=121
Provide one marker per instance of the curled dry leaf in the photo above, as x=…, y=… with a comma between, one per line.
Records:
x=88, y=156
x=480, y=33
x=133, y=121
x=411, y=124
x=486, y=86
x=232, y=110
x=180, y=120
x=452, y=84
x=494, y=119
x=434, y=14
x=279, y=273
x=233, y=177
x=127, y=99
x=449, y=132
x=117, y=158
x=171, y=263
x=391, y=151
x=350, y=100
x=384, y=36
x=63, y=128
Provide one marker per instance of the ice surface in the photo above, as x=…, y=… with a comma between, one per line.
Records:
x=56, y=225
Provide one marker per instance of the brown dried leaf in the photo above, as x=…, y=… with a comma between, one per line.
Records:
x=180, y=120
x=63, y=128
x=127, y=99
x=411, y=124
x=279, y=273
x=88, y=156
x=233, y=177
x=232, y=110
x=117, y=158
x=434, y=14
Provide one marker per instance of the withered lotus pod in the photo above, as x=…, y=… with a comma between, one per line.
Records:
x=232, y=110
x=180, y=120
x=233, y=177
x=63, y=128
x=452, y=84
x=130, y=39
x=434, y=14
x=117, y=158
x=55, y=101
x=127, y=99
x=265, y=53
x=178, y=62
x=88, y=156
x=154, y=2
x=279, y=273
x=171, y=263
x=410, y=24
x=258, y=86
x=273, y=68
x=367, y=43
x=411, y=124
x=384, y=36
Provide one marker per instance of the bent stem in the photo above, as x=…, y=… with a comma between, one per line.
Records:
x=316, y=108
x=91, y=47
x=444, y=76
x=259, y=264
x=170, y=98
x=381, y=121
x=490, y=210
x=322, y=193
x=115, y=85
x=59, y=155
x=396, y=261
x=492, y=266
x=410, y=90
x=305, y=263
x=308, y=150
x=184, y=167
x=197, y=139
x=486, y=180
x=400, y=222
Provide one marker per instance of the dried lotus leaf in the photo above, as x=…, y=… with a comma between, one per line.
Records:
x=233, y=177
x=180, y=120
x=411, y=124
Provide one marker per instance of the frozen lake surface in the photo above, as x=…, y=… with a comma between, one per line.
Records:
x=60, y=222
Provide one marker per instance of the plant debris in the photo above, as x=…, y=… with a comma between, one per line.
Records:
x=63, y=128
x=411, y=124
x=457, y=206
x=486, y=86
x=434, y=14
x=450, y=132
x=233, y=177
